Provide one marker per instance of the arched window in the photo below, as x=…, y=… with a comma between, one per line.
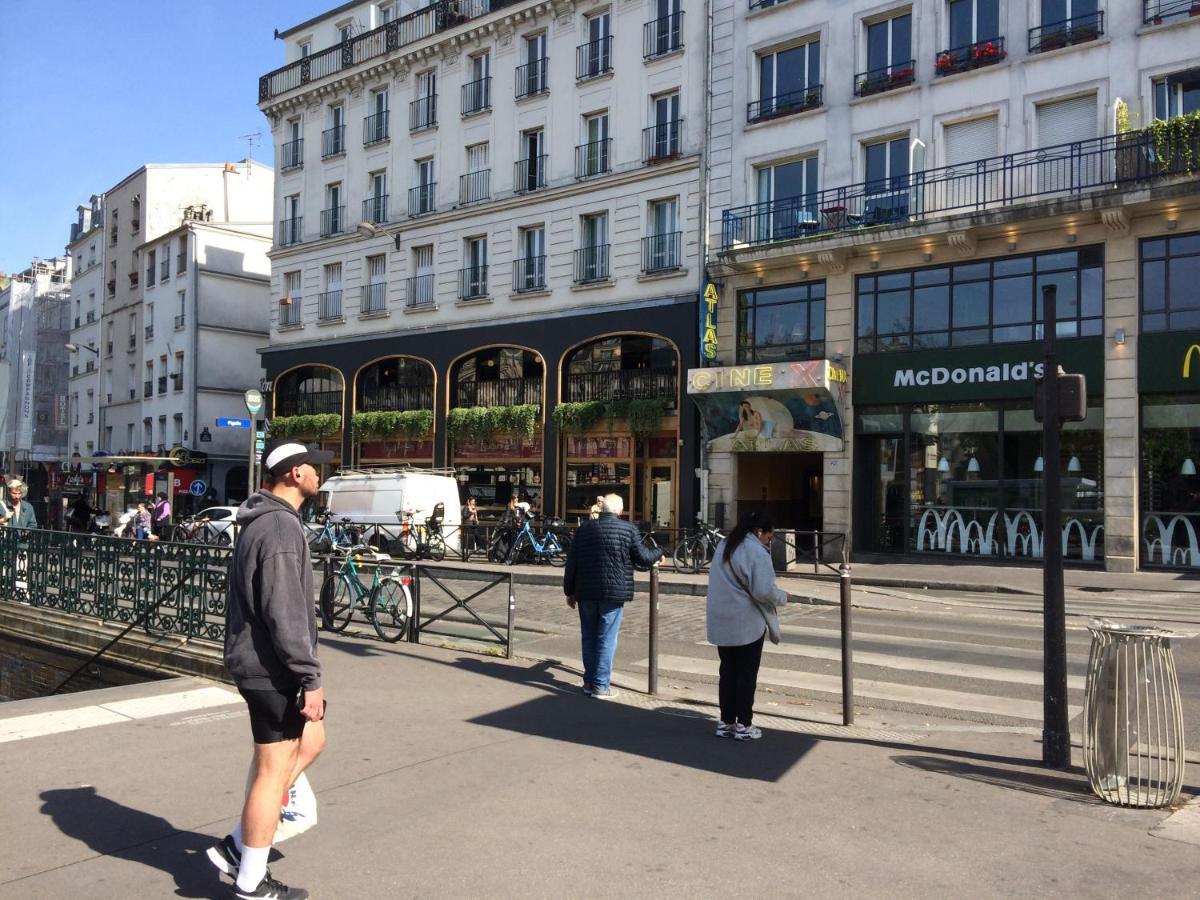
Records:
x=308, y=390
x=396, y=383
x=498, y=376
x=622, y=367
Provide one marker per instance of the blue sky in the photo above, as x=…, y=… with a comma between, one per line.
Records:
x=89, y=91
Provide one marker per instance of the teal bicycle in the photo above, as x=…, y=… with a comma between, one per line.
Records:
x=386, y=603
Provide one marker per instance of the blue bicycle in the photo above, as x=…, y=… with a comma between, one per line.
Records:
x=551, y=546
x=343, y=535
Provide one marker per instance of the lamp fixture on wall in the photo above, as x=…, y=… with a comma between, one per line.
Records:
x=1074, y=465
x=928, y=257
x=973, y=465
x=1188, y=467
x=1172, y=224
x=1038, y=464
x=1119, y=337
x=1012, y=245
x=874, y=264
x=1071, y=237
x=943, y=465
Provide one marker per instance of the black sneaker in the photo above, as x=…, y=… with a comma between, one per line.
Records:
x=270, y=889
x=225, y=856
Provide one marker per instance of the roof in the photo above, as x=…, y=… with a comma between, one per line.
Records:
x=315, y=19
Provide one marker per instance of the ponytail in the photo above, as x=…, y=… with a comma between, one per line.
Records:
x=747, y=522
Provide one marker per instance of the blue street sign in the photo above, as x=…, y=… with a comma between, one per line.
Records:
x=233, y=423
x=198, y=488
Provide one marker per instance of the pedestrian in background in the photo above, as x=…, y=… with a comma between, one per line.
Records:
x=742, y=599
x=20, y=512
x=470, y=525
x=599, y=582
x=141, y=522
x=594, y=512
x=160, y=516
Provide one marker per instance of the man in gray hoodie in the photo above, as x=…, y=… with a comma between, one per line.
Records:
x=271, y=652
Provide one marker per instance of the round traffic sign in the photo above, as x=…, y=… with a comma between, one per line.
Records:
x=254, y=400
x=198, y=487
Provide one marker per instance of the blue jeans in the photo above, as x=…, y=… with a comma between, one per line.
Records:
x=598, y=627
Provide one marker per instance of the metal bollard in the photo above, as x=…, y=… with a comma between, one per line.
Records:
x=847, y=650
x=652, y=673
x=512, y=611
x=414, y=624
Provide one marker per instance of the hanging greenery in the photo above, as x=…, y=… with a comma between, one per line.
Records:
x=1176, y=143
x=574, y=418
x=644, y=416
x=409, y=424
x=478, y=423
x=311, y=426
x=1122, y=117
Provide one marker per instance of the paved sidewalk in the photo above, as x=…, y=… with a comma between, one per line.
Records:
x=452, y=775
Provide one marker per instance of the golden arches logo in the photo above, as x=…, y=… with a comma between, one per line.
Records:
x=1187, y=360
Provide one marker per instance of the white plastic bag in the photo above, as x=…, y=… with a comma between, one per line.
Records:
x=299, y=813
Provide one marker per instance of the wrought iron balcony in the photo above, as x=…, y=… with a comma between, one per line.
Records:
x=373, y=299
x=422, y=113
x=422, y=199
x=529, y=274
x=333, y=220
x=419, y=292
x=530, y=174
x=329, y=306
x=162, y=384
x=972, y=56
x=662, y=36
x=375, y=128
x=291, y=155
x=180, y=263
x=661, y=141
x=133, y=279
x=112, y=286
x=177, y=381
x=91, y=316
x=291, y=231
x=375, y=209
x=499, y=392
x=180, y=321
x=531, y=78
x=164, y=269
x=1075, y=30
x=885, y=78
x=662, y=252
x=622, y=384
x=309, y=403
x=477, y=96
x=472, y=283
x=333, y=141
x=591, y=264
x=149, y=332
x=289, y=311
x=397, y=397
x=784, y=104
x=593, y=59
x=89, y=366
x=1155, y=11
x=1105, y=164
x=593, y=158
x=475, y=187
x=148, y=388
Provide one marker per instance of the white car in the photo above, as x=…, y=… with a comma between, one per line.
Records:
x=219, y=527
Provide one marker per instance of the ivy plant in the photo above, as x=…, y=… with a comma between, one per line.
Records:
x=1176, y=142
x=478, y=423
x=311, y=426
x=409, y=424
x=574, y=418
x=644, y=416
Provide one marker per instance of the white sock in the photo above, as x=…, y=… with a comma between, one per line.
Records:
x=237, y=837
x=253, y=867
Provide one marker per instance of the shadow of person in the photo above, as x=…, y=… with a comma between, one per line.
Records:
x=111, y=829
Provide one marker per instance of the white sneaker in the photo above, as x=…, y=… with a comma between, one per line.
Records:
x=724, y=730
x=742, y=733
x=607, y=693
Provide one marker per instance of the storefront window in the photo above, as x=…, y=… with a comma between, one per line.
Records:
x=993, y=302
x=1170, y=487
x=493, y=486
x=782, y=322
x=1170, y=273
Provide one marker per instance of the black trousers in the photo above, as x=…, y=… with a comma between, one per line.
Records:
x=739, y=679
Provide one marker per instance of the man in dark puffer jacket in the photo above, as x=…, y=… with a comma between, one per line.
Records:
x=599, y=580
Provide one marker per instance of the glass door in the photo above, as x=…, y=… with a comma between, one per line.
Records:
x=882, y=505
x=658, y=495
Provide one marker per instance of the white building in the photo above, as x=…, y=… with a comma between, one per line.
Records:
x=892, y=186
x=493, y=205
x=87, y=251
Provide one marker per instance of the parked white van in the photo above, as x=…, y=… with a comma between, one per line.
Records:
x=387, y=497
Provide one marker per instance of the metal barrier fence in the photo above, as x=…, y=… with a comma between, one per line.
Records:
x=118, y=580
x=425, y=577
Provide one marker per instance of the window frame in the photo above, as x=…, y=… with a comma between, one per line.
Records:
x=746, y=343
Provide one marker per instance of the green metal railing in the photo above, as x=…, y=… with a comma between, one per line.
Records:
x=118, y=580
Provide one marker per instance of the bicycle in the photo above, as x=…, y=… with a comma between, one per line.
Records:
x=343, y=535
x=551, y=548
x=695, y=551
x=387, y=603
x=420, y=541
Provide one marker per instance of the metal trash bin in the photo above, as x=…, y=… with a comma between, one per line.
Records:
x=1133, y=718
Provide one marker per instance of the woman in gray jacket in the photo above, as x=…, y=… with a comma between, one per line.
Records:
x=742, y=597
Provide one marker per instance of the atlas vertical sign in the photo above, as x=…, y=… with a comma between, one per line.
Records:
x=25, y=400
x=708, y=322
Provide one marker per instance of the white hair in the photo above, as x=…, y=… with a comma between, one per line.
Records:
x=613, y=503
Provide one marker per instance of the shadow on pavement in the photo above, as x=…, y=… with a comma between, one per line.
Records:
x=1071, y=784
x=111, y=829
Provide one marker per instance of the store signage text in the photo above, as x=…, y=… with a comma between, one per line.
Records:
x=733, y=377
x=708, y=323
x=938, y=375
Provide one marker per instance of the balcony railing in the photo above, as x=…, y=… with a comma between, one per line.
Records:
x=291, y=231
x=373, y=299
x=422, y=199
x=89, y=366
x=661, y=141
x=1076, y=30
x=972, y=56
x=784, y=104
x=1109, y=163
x=593, y=158
x=408, y=29
x=418, y=293
x=91, y=316
x=307, y=404
x=148, y=388
x=529, y=274
x=593, y=59
x=531, y=78
x=333, y=220
x=475, y=187
x=333, y=141
x=472, y=282
x=591, y=264
x=133, y=279
x=396, y=397
x=375, y=128
x=164, y=269
x=500, y=392
x=375, y=209
x=180, y=321
x=662, y=252
x=329, y=306
x=149, y=332
x=289, y=311
x=885, y=78
x=622, y=384
x=530, y=174
x=180, y=263
x=1154, y=11
x=477, y=96
x=662, y=36
x=112, y=286
x=162, y=384
x=291, y=155
x=177, y=381
x=422, y=113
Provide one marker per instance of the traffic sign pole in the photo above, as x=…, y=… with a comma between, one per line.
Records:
x=254, y=401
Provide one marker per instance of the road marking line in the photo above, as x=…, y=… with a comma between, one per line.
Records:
x=906, y=641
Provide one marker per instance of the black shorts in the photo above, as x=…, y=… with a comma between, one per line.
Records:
x=274, y=715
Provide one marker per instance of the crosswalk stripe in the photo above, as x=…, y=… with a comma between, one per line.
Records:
x=874, y=690
x=901, y=640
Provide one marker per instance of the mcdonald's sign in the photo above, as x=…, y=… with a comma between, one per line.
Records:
x=1187, y=360
x=1169, y=362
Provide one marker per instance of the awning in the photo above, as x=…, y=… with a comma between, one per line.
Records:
x=779, y=407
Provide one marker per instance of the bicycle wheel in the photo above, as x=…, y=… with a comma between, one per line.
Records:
x=337, y=602
x=436, y=547
x=517, y=551
x=222, y=538
x=391, y=608
x=558, y=554
x=688, y=555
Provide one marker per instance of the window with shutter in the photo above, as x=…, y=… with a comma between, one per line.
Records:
x=1065, y=121
x=967, y=142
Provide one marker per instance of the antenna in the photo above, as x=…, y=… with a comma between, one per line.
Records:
x=252, y=141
